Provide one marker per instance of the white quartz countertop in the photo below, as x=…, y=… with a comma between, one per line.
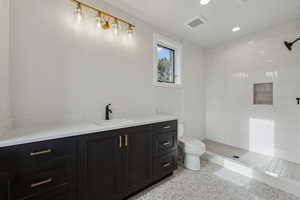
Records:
x=18, y=136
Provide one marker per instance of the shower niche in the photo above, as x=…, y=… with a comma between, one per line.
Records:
x=263, y=94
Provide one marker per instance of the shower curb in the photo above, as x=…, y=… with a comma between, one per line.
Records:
x=282, y=183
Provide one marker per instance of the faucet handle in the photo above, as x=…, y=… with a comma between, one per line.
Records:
x=108, y=107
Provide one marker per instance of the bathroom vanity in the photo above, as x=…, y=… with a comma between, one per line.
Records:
x=109, y=163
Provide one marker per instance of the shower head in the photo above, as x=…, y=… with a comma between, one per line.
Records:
x=289, y=45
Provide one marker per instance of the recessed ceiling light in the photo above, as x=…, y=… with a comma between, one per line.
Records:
x=204, y=2
x=235, y=29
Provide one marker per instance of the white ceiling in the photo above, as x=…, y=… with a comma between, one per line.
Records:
x=222, y=15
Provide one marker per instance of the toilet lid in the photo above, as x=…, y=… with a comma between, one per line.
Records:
x=192, y=142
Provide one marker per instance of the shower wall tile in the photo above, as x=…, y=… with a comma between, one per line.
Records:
x=231, y=71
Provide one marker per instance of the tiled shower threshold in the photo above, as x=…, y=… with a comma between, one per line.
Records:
x=286, y=174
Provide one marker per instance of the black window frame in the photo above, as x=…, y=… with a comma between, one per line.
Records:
x=174, y=62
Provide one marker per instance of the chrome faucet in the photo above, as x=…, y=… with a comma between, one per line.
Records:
x=108, y=111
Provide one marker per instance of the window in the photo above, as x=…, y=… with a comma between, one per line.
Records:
x=165, y=64
x=167, y=69
x=263, y=94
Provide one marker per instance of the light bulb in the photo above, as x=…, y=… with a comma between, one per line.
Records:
x=236, y=29
x=78, y=12
x=105, y=25
x=130, y=31
x=115, y=27
x=104, y=21
x=204, y=2
x=98, y=20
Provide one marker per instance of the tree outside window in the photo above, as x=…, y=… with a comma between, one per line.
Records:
x=165, y=64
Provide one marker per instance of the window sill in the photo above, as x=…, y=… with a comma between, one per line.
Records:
x=168, y=85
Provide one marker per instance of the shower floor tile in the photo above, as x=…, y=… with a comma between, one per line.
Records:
x=271, y=165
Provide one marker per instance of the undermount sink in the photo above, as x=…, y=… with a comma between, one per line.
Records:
x=113, y=122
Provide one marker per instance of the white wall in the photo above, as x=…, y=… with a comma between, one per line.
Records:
x=231, y=71
x=187, y=102
x=194, y=92
x=4, y=66
x=63, y=71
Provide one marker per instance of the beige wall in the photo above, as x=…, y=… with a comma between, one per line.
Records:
x=65, y=72
x=4, y=66
x=187, y=102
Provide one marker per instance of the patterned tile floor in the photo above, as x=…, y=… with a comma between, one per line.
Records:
x=212, y=182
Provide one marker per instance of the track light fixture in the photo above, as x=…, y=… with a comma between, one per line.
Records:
x=103, y=20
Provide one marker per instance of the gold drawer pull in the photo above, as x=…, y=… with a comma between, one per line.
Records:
x=40, y=152
x=166, y=143
x=120, y=141
x=167, y=127
x=166, y=165
x=126, y=140
x=33, y=185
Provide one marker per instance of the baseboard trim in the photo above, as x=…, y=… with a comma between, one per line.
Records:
x=282, y=183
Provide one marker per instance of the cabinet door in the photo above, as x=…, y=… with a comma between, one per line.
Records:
x=99, y=167
x=61, y=193
x=138, y=144
x=4, y=186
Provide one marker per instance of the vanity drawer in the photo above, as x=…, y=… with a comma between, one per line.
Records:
x=165, y=126
x=59, y=174
x=35, y=156
x=164, y=142
x=63, y=196
x=164, y=165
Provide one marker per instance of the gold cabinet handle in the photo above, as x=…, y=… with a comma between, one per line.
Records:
x=126, y=140
x=40, y=152
x=166, y=165
x=120, y=141
x=167, y=127
x=33, y=185
x=166, y=143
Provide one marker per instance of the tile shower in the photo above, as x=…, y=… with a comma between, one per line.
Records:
x=233, y=71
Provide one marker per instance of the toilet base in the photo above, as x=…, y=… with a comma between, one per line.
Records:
x=192, y=162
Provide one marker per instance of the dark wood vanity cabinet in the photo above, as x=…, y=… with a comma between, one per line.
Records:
x=164, y=149
x=100, y=166
x=138, y=159
x=109, y=165
x=39, y=170
x=114, y=164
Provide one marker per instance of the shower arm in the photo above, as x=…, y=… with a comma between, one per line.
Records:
x=296, y=40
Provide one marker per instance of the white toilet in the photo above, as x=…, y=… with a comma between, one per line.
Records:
x=191, y=148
